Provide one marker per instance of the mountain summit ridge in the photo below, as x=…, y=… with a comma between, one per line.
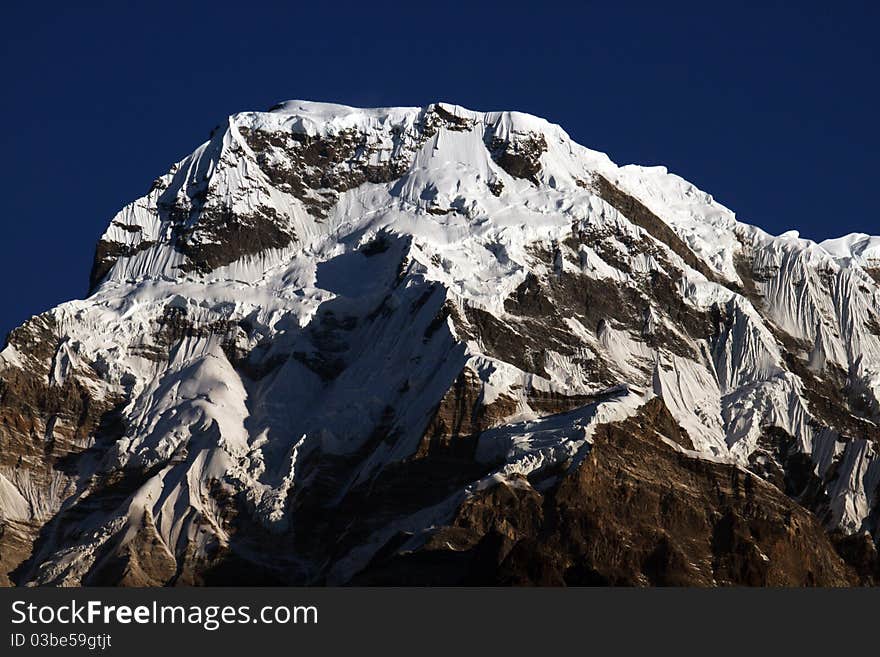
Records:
x=401, y=345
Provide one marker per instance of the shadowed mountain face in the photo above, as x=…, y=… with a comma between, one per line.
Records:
x=436, y=346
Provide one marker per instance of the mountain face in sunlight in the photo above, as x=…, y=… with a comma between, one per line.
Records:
x=437, y=346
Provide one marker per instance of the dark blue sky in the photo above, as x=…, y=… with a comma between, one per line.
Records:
x=770, y=106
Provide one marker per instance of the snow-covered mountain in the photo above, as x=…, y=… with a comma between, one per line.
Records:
x=432, y=345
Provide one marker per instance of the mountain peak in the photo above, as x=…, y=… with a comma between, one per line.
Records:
x=334, y=341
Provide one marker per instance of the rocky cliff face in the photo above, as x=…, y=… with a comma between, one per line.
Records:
x=430, y=345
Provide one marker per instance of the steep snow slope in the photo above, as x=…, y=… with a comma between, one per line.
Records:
x=336, y=326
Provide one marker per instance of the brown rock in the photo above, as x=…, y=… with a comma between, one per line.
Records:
x=634, y=512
